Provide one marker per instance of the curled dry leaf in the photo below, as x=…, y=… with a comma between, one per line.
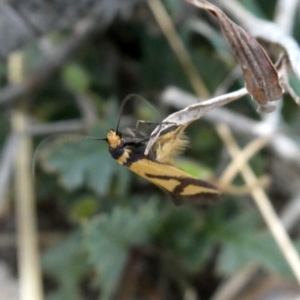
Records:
x=260, y=75
x=191, y=113
x=277, y=39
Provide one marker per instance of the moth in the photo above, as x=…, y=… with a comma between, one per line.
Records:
x=158, y=166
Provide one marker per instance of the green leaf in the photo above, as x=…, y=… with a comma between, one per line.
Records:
x=67, y=263
x=294, y=83
x=84, y=208
x=82, y=163
x=110, y=237
x=85, y=162
x=76, y=77
x=180, y=232
x=194, y=168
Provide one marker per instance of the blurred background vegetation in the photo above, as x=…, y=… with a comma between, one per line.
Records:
x=105, y=233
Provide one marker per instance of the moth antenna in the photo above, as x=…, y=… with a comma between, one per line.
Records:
x=66, y=137
x=131, y=97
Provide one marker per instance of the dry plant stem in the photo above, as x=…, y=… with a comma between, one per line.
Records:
x=178, y=47
x=258, y=193
x=290, y=215
x=282, y=145
x=285, y=14
x=28, y=255
x=55, y=127
x=267, y=211
x=245, y=155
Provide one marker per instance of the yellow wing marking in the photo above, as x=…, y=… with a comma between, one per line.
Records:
x=193, y=189
x=173, y=177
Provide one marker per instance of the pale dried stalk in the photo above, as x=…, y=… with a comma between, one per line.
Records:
x=244, y=156
x=28, y=255
x=267, y=211
x=285, y=14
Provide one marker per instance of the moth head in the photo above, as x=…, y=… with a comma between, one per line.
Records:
x=113, y=139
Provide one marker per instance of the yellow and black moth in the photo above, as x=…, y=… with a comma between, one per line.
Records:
x=158, y=166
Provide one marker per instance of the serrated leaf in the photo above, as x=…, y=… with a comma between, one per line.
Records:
x=181, y=232
x=259, y=248
x=82, y=163
x=244, y=242
x=110, y=237
x=67, y=263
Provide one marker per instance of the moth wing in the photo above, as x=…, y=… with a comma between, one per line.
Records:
x=182, y=187
x=170, y=145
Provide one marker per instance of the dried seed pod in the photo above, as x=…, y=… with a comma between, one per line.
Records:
x=260, y=75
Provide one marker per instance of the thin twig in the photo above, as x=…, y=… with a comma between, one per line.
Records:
x=244, y=156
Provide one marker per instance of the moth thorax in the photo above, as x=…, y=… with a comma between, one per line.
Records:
x=113, y=139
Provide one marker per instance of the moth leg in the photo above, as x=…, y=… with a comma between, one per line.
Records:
x=138, y=122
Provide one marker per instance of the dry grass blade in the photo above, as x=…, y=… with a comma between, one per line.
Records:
x=261, y=78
